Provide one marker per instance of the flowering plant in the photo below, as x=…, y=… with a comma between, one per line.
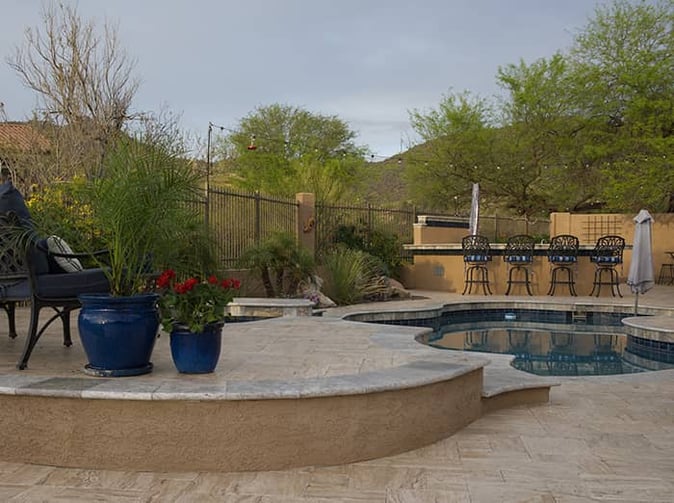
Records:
x=194, y=302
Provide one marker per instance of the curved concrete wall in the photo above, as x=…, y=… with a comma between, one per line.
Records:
x=234, y=435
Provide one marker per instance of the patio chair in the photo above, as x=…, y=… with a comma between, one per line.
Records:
x=28, y=273
x=519, y=255
x=563, y=256
x=476, y=255
x=607, y=254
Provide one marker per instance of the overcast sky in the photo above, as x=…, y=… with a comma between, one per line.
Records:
x=369, y=62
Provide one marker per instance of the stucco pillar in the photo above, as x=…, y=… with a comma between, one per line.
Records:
x=306, y=220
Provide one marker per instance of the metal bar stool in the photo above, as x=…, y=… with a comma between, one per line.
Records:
x=666, y=276
x=519, y=255
x=476, y=255
x=607, y=254
x=563, y=255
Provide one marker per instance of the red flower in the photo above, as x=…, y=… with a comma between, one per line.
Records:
x=190, y=283
x=164, y=280
x=194, y=302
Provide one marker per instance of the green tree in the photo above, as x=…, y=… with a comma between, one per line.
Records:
x=457, y=133
x=281, y=150
x=624, y=76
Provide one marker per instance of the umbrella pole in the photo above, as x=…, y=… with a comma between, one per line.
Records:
x=636, y=304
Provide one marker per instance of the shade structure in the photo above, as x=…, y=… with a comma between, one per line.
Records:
x=641, y=277
x=475, y=208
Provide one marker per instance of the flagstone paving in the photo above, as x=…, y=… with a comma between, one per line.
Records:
x=606, y=439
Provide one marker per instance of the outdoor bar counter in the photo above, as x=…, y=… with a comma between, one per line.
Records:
x=441, y=267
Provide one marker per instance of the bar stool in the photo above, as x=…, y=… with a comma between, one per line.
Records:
x=563, y=255
x=519, y=254
x=476, y=255
x=666, y=276
x=607, y=254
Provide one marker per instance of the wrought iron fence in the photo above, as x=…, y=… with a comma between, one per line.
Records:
x=243, y=219
x=499, y=228
x=366, y=219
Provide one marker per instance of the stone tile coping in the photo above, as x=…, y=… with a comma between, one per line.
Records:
x=413, y=374
x=500, y=377
x=260, y=306
x=655, y=328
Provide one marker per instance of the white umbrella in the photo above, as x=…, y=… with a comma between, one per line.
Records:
x=474, y=208
x=641, y=278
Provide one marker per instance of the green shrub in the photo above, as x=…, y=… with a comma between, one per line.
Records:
x=281, y=264
x=351, y=276
x=376, y=242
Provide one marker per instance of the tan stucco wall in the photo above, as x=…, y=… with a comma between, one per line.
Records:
x=437, y=235
x=446, y=273
x=226, y=435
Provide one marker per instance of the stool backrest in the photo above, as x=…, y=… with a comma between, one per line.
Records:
x=521, y=245
x=475, y=244
x=563, y=246
x=609, y=246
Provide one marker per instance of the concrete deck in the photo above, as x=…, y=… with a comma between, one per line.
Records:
x=601, y=438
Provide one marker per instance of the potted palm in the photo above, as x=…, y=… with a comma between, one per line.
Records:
x=193, y=312
x=141, y=209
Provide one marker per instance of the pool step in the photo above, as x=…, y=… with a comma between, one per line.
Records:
x=579, y=316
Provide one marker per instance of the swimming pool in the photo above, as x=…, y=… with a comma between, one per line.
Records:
x=550, y=342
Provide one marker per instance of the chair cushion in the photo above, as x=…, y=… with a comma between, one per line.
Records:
x=15, y=290
x=72, y=284
x=518, y=258
x=603, y=259
x=67, y=264
x=562, y=258
x=476, y=258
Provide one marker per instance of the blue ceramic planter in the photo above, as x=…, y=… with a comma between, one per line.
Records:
x=196, y=353
x=118, y=333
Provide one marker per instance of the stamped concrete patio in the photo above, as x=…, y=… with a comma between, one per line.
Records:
x=598, y=439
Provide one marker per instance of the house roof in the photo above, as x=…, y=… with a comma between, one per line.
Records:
x=21, y=136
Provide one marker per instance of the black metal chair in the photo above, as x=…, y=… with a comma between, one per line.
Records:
x=519, y=255
x=476, y=255
x=563, y=256
x=27, y=273
x=607, y=254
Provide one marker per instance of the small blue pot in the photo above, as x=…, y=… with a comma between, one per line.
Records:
x=196, y=353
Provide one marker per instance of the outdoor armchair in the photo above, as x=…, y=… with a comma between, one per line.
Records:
x=28, y=273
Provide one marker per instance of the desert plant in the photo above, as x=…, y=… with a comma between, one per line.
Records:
x=351, y=276
x=281, y=264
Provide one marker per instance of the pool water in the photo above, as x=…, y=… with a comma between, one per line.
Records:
x=543, y=341
x=565, y=350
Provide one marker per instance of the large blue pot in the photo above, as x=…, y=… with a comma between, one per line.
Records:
x=118, y=333
x=196, y=353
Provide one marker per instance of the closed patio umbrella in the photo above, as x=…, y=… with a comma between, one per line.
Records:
x=641, y=278
x=475, y=208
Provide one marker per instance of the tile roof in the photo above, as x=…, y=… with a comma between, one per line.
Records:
x=21, y=136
